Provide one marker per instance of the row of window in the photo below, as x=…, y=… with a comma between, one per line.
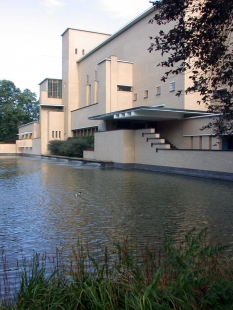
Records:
x=76, y=51
x=172, y=87
x=158, y=91
x=120, y=88
x=56, y=134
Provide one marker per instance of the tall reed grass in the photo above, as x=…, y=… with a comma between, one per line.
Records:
x=190, y=274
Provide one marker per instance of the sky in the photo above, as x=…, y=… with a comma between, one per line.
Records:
x=30, y=33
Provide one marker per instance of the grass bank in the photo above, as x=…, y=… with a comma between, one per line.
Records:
x=189, y=275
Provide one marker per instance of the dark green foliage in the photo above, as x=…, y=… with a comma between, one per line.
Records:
x=219, y=295
x=29, y=106
x=16, y=108
x=72, y=147
x=188, y=275
x=54, y=146
x=199, y=43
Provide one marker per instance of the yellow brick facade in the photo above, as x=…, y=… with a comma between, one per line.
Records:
x=111, y=88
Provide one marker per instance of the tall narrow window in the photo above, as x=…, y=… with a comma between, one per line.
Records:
x=146, y=93
x=172, y=86
x=52, y=134
x=158, y=90
x=83, y=52
x=76, y=51
x=135, y=95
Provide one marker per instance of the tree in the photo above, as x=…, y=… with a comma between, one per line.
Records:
x=16, y=108
x=29, y=105
x=200, y=43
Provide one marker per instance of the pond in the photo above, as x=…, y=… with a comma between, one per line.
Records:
x=40, y=210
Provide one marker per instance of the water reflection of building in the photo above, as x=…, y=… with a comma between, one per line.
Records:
x=111, y=88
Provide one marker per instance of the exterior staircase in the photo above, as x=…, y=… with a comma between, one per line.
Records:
x=157, y=141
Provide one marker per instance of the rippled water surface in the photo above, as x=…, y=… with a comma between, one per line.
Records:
x=40, y=211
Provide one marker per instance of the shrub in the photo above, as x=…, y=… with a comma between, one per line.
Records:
x=54, y=146
x=72, y=147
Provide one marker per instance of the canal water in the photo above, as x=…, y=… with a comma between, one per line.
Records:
x=40, y=210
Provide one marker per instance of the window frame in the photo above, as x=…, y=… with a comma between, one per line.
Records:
x=54, y=88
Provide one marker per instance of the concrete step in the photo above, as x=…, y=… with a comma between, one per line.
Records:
x=155, y=140
x=151, y=135
x=173, y=147
x=161, y=145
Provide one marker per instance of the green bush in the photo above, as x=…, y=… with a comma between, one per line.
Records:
x=72, y=147
x=54, y=146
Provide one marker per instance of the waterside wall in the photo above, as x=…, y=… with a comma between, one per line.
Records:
x=130, y=149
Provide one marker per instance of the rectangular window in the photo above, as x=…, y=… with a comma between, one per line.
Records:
x=83, y=52
x=76, y=51
x=59, y=109
x=59, y=135
x=54, y=88
x=135, y=95
x=52, y=134
x=56, y=134
x=172, y=86
x=87, y=79
x=158, y=90
x=124, y=88
x=146, y=93
x=220, y=93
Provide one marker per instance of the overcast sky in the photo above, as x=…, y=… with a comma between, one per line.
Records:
x=30, y=33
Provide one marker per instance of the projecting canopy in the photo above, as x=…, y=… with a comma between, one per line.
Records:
x=156, y=113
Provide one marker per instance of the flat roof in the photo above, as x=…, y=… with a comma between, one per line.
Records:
x=49, y=79
x=52, y=105
x=28, y=124
x=84, y=31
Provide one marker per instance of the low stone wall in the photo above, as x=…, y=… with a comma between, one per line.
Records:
x=8, y=148
x=220, y=161
x=113, y=146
